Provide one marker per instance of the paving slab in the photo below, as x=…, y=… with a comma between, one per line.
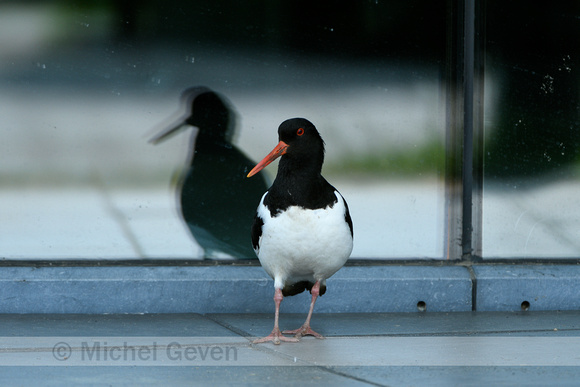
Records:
x=465, y=376
x=411, y=324
x=78, y=325
x=396, y=349
x=450, y=351
x=176, y=376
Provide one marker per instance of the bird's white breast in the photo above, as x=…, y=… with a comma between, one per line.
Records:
x=302, y=244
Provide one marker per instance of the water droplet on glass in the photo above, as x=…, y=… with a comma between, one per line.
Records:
x=547, y=156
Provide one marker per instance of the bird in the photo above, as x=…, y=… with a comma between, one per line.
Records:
x=216, y=201
x=302, y=231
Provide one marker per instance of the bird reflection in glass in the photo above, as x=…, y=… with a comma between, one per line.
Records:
x=217, y=202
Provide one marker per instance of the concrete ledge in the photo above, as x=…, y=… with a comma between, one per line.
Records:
x=248, y=289
x=226, y=289
x=533, y=287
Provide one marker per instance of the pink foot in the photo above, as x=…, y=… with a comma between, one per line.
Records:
x=304, y=330
x=276, y=337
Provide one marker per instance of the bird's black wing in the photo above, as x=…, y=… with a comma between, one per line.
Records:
x=257, y=232
x=347, y=217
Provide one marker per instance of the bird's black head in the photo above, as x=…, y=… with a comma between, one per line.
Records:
x=305, y=146
x=302, y=138
x=301, y=148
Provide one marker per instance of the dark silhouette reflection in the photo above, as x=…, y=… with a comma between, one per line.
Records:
x=218, y=202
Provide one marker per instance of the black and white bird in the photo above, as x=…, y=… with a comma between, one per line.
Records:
x=216, y=201
x=302, y=232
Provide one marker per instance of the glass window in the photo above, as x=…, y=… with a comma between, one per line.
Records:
x=86, y=84
x=531, y=207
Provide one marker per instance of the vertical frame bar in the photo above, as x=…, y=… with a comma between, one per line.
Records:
x=478, y=127
x=464, y=141
x=468, y=109
x=454, y=133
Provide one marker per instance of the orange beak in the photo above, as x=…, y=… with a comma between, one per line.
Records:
x=278, y=151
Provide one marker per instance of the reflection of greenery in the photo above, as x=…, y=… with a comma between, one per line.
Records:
x=428, y=158
x=420, y=160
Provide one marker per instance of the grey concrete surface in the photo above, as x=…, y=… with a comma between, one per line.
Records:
x=390, y=349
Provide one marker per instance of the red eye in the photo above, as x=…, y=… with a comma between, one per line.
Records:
x=300, y=131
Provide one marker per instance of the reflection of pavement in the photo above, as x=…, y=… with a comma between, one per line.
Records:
x=532, y=223
x=398, y=220
x=86, y=223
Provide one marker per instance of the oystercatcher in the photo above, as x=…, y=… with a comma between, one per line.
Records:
x=302, y=232
x=217, y=201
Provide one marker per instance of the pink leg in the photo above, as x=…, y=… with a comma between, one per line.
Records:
x=305, y=329
x=276, y=336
